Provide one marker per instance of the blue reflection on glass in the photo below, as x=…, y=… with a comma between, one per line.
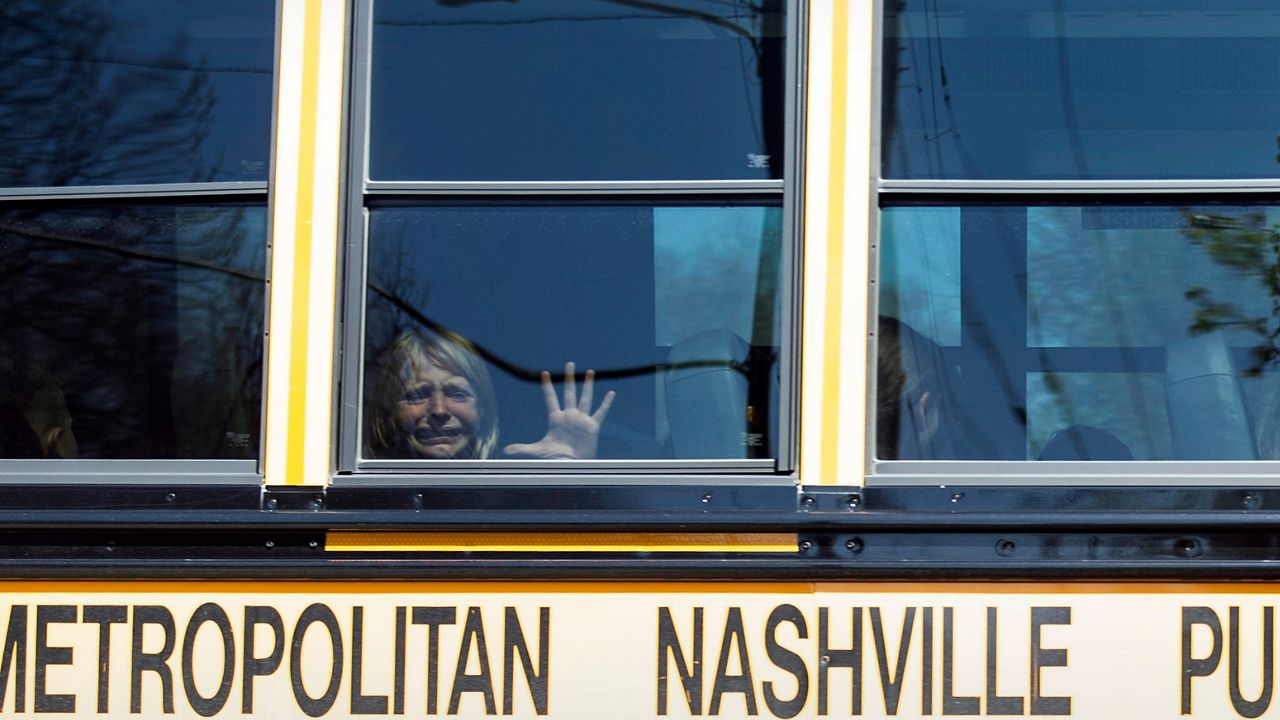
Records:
x=1081, y=89
x=920, y=270
x=131, y=91
x=577, y=90
x=1079, y=332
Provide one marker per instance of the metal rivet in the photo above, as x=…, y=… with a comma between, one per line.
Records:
x=171, y=497
x=1250, y=501
x=270, y=544
x=805, y=545
x=957, y=497
x=313, y=543
x=1189, y=547
x=854, y=545
x=854, y=500
x=706, y=497
x=1006, y=547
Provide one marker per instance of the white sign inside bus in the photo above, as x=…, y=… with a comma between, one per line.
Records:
x=627, y=650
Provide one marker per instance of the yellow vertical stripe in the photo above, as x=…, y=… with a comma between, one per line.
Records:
x=831, y=439
x=303, y=229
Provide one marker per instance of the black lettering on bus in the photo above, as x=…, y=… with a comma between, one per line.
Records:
x=361, y=704
x=212, y=705
x=104, y=616
x=830, y=658
x=155, y=662
x=398, y=672
x=690, y=672
x=951, y=703
x=1251, y=708
x=926, y=661
x=514, y=644
x=891, y=682
x=734, y=634
x=787, y=660
x=15, y=656
x=481, y=682
x=316, y=613
x=255, y=666
x=1193, y=667
x=55, y=655
x=1047, y=657
x=997, y=704
x=433, y=618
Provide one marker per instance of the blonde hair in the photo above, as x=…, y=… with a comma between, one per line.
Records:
x=399, y=363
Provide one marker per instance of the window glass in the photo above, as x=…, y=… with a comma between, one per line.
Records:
x=131, y=331
x=920, y=270
x=104, y=92
x=674, y=308
x=1084, y=332
x=1081, y=89
x=577, y=90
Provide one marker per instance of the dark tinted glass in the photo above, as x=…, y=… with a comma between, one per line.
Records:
x=1081, y=89
x=675, y=308
x=105, y=92
x=576, y=90
x=1080, y=332
x=136, y=329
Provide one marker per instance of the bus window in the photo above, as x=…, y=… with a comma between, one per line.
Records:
x=116, y=93
x=673, y=308
x=1082, y=332
x=1080, y=90
x=148, y=320
x=576, y=90
x=134, y=154
x=590, y=195
x=1070, y=267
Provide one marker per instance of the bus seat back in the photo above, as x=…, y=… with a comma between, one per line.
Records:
x=1208, y=417
x=707, y=395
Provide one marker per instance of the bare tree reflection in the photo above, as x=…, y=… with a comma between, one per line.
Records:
x=75, y=111
x=150, y=316
x=1246, y=245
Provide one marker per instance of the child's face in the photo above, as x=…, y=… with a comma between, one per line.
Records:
x=437, y=412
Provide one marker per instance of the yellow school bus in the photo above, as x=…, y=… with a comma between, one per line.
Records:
x=639, y=358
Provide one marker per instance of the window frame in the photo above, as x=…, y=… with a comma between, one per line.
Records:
x=361, y=191
x=161, y=471
x=898, y=192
